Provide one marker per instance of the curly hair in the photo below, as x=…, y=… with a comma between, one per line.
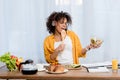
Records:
x=57, y=16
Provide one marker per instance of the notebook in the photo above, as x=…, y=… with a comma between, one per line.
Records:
x=98, y=69
x=99, y=64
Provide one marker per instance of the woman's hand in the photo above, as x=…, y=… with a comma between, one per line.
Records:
x=60, y=47
x=94, y=46
x=57, y=50
x=97, y=44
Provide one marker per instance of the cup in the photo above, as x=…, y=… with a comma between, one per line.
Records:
x=114, y=65
x=40, y=67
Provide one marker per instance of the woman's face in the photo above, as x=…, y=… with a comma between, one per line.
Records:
x=60, y=25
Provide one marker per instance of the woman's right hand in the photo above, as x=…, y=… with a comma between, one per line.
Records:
x=60, y=47
x=57, y=50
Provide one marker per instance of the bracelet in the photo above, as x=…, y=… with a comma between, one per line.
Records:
x=87, y=49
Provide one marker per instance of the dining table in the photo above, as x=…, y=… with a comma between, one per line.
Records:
x=71, y=74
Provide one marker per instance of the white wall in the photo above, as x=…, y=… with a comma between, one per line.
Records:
x=23, y=29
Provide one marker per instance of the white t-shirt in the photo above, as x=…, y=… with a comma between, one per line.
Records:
x=65, y=57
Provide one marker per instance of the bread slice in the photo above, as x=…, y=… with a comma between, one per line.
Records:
x=59, y=68
x=56, y=68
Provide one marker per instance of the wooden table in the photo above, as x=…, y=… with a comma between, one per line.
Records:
x=81, y=74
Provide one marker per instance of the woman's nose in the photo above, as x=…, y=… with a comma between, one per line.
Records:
x=64, y=25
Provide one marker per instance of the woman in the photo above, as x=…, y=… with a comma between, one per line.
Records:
x=63, y=46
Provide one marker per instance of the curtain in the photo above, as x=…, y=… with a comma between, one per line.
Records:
x=23, y=26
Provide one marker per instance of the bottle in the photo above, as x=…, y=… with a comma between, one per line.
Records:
x=114, y=65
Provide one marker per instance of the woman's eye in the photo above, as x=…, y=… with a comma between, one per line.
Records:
x=61, y=22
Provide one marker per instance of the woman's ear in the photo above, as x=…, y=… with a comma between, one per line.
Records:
x=53, y=23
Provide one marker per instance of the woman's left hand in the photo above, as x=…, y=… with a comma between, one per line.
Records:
x=94, y=46
x=97, y=45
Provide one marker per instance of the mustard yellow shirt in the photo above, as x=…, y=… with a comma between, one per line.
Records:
x=76, y=47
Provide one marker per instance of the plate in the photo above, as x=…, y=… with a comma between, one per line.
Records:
x=73, y=66
x=41, y=69
x=65, y=70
